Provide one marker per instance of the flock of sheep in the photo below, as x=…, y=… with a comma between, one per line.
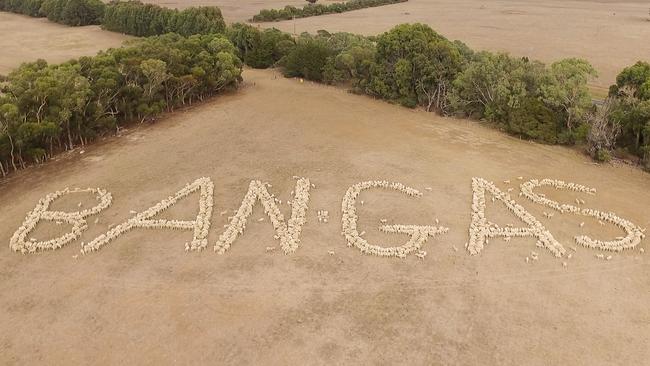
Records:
x=201, y=225
x=287, y=233
x=634, y=233
x=77, y=219
x=323, y=216
x=480, y=230
x=419, y=234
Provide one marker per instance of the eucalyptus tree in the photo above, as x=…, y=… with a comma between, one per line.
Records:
x=414, y=65
x=632, y=91
x=566, y=89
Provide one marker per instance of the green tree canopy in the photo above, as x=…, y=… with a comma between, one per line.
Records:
x=143, y=20
x=414, y=65
x=633, y=81
x=565, y=88
x=45, y=108
x=492, y=84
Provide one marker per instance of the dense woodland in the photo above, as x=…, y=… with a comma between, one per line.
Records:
x=128, y=17
x=312, y=9
x=48, y=108
x=26, y=7
x=143, y=20
x=69, y=12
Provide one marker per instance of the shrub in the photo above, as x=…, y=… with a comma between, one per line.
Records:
x=603, y=156
x=26, y=7
x=352, y=64
x=259, y=49
x=533, y=120
x=307, y=59
x=352, y=58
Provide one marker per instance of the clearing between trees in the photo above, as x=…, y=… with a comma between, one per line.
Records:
x=251, y=305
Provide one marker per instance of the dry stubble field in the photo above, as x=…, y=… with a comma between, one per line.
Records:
x=143, y=300
x=26, y=39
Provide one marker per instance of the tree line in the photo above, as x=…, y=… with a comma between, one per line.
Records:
x=144, y=20
x=629, y=111
x=69, y=12
x=411, y=65
x=414, y=66
x=49, y=108
x=128, y=17
x=310, y=10
x=31, y=8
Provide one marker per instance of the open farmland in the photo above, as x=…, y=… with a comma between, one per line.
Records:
x=26, y=39
x=143, y=300
x=234, y=216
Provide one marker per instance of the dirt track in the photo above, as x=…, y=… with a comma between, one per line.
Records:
x=143, y=300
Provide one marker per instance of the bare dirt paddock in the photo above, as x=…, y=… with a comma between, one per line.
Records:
x=611, y=34
x=26, y=39
x=143, y=300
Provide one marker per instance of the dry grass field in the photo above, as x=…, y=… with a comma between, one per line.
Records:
x=143, y=300
x=26, y=39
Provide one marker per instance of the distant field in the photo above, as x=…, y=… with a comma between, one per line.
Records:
x=611, y=34
x=235, y=10
x=27, y=39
